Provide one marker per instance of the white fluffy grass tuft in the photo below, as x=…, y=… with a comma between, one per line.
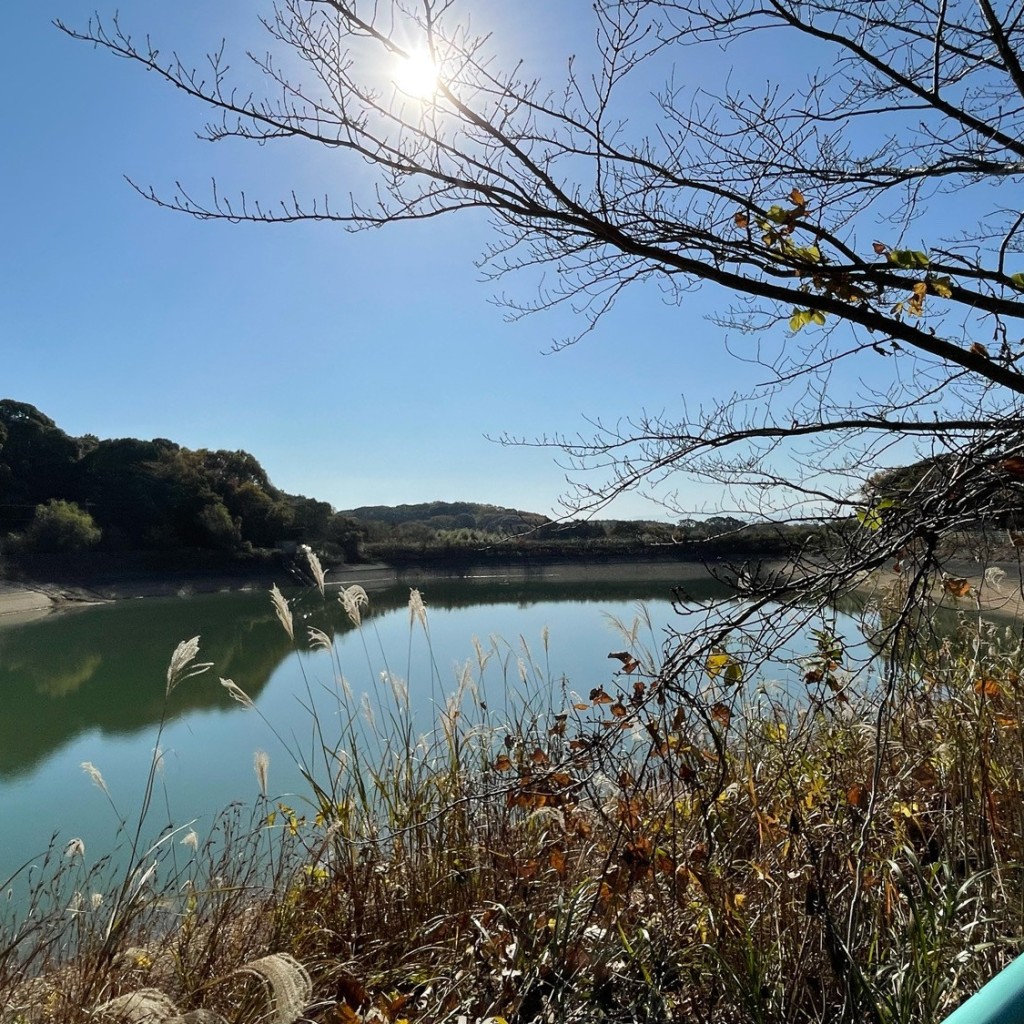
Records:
x=417, y=609
x=286, y=982
x=316, y=569
x=237, y=693
x=144, y=1006
x=183, y=664
x=353, y=600
x=261, y=765
x=284, y=613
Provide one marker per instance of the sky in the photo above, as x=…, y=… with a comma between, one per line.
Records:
x=360, y=369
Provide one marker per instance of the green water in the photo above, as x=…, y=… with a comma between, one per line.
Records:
x=90, y=685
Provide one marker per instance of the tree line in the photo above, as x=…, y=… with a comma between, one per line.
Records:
x=60, y=493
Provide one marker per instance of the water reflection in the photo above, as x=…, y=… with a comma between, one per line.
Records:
x=103, y=669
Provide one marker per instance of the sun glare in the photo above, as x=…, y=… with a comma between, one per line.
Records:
x=416, y=75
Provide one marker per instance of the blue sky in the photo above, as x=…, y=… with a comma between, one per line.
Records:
x=359, y=369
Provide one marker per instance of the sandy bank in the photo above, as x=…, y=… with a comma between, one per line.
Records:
x=24, y=600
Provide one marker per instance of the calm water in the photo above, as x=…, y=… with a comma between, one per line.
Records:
x=89, y=686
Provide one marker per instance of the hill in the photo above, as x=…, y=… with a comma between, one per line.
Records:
x=451, y=515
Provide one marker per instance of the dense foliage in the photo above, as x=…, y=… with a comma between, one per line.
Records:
x=61, y=493
x=463, y=532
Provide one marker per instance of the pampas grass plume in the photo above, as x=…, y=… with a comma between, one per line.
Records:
x=145, y=1006
x=237, y=693
x=284, y=613
x=316, y=569
x=417, y=609
x=261, y=764
x=353, y=599
x=318, y=639
x=182, y=667
x=94, y=773
x=287, y=984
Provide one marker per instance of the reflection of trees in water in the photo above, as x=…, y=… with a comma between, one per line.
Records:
x=105, y=668
x=69, y=678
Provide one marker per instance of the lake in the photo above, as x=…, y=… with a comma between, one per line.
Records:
x=89, y=686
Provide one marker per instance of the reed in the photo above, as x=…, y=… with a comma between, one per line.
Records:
x=717, y=851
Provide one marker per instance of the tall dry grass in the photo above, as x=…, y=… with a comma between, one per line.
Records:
x=720, y=849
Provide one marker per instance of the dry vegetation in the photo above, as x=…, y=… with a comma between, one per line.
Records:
x=713, y=851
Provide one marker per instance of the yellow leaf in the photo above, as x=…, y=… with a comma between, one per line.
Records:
x=797, y=198
x=717, y=663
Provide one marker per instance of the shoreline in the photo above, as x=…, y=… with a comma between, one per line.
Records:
x=29, y=599
x=26, y=600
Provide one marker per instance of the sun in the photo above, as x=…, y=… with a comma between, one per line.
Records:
x=416, y=75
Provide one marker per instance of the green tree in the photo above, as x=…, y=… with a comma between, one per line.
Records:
x=61, y=527
x=37, y=462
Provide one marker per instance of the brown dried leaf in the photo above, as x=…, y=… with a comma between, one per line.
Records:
x=858, y=796
x=722, y=714
x=956, y=586
x=987, y=688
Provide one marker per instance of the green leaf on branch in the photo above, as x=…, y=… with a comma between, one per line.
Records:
x=941, y=286
x=872, y=518
x=802, y=317
x=1017, y=280
x=909, y=259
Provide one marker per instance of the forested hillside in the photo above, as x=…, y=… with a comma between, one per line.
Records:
x=60, y=493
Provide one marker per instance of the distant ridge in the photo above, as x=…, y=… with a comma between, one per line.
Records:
x=451, y=515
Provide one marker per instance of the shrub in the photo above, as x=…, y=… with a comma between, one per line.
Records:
x=61, y=526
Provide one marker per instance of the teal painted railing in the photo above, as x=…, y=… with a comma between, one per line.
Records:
x=1001, y=1001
